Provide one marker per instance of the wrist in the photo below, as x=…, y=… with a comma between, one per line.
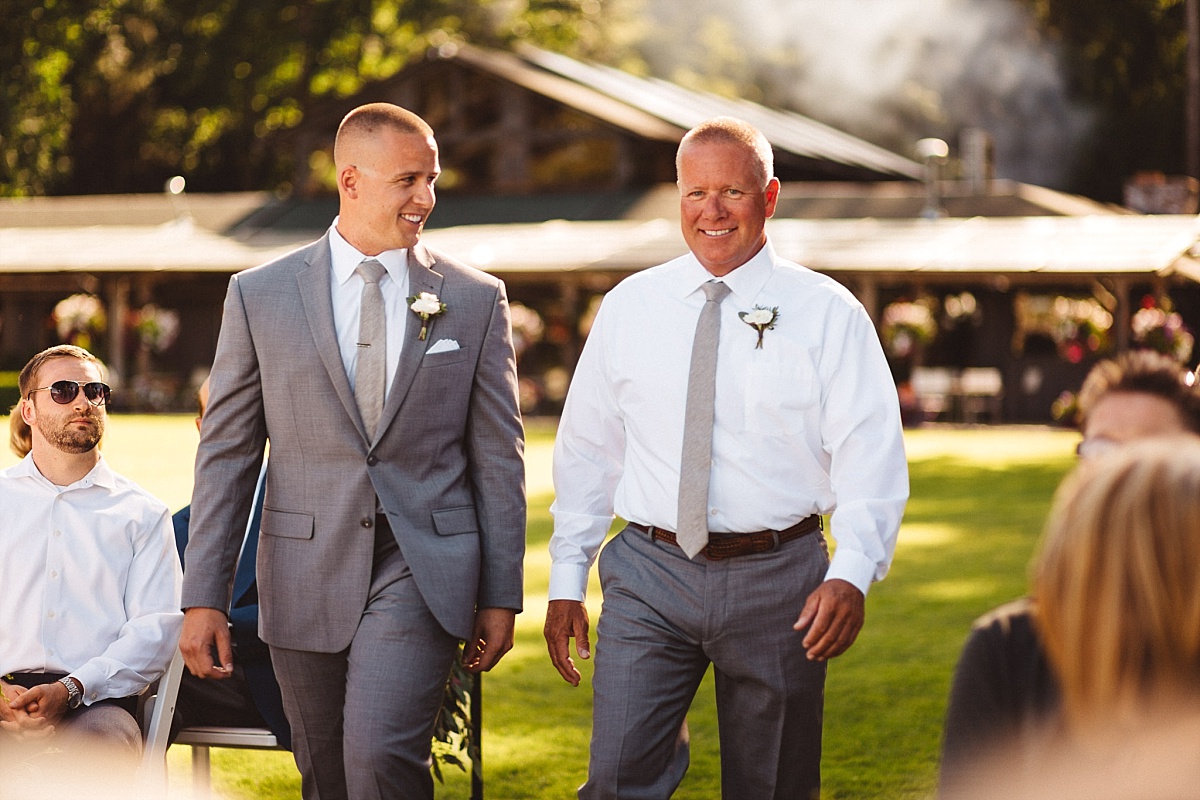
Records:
x=74, y=692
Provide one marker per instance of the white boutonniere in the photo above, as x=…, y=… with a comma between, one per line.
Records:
x=761, y=319
x=425, y=305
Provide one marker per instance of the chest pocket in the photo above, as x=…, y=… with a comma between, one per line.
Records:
x=782, y=391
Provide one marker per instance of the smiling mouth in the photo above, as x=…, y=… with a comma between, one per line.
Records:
x=714, y=234
x=415, y=219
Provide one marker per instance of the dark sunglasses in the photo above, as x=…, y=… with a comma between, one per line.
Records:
x=63, y=392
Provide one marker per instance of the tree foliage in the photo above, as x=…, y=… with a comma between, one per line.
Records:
x=118, y=95
x=1128, y=59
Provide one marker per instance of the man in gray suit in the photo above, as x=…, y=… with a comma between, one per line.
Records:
x=382, y=374
x=723, y=403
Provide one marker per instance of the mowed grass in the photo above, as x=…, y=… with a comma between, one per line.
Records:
x=979, y=498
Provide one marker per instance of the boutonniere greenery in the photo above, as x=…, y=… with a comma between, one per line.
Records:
x=425, y=305
x=761, y=319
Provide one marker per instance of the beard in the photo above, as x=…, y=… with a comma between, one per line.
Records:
x=70, y=438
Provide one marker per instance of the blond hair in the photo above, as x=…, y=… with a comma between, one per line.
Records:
x=20, y=437
x=732, y=130
x=29, y=373
x=1117, y=580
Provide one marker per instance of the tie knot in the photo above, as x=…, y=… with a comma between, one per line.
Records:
x=371, y=270
x=715, y=291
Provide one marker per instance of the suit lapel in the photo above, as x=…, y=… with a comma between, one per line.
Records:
x=421, y=278
x=318, y=308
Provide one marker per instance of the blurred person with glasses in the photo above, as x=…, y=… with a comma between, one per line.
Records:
x=1003, y=686
x=89, y=578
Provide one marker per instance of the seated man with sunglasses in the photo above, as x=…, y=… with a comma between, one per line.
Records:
x=89, y=578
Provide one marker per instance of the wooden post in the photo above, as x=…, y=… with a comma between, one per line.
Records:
x=1192, y=102
x=118, y=308
x=477, y=733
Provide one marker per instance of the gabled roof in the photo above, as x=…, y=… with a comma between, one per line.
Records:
x=685, y=108
x=649, y=108
x=1063, y=249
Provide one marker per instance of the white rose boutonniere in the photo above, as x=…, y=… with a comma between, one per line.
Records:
x=761, y=319
x=425, y=305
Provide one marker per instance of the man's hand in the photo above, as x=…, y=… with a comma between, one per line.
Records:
x=47, y=702
x=567, y=619
x=206, y=630
x=20, y=716
x=493, y=637
x=834, y=615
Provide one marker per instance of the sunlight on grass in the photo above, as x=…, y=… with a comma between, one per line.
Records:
x=979, y=498
x=928, y=535
x=964, y=589
x=996, y=447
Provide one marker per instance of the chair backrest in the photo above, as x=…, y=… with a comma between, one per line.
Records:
x=157, y=711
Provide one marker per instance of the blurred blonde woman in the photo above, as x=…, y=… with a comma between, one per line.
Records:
x=20, y=439
x=1118, y=582
x=1118, y=612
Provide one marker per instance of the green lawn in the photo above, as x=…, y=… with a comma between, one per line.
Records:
x=978, y=500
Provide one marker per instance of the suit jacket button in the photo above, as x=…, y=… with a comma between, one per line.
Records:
x=367, y=522
x=372, y=461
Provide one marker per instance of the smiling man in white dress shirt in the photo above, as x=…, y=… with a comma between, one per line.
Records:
x=804, y=422
x=89, y=579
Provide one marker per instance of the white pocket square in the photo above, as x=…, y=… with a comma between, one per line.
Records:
x=442, y=346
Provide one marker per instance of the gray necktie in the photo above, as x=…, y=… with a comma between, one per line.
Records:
x=696, y=463
x=370, y=374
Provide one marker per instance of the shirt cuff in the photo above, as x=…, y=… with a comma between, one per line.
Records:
x=855, y=568
x=95, y=687
x=568, y=581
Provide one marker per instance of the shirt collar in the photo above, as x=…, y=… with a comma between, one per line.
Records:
x=746, y=281
x=346, y=258
x=99, y=475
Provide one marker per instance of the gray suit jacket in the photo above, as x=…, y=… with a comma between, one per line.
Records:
x=446, y=462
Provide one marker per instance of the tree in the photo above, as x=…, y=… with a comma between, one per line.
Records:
x=1127, y=58
x=118, y=95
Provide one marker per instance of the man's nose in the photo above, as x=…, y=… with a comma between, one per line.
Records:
x=425, y=196
x=714, y=207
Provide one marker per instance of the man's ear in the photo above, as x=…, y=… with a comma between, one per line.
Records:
x=348, y=181
x=772, y=196
x=27, y=411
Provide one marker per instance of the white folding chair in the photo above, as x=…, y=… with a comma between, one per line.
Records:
x=156, y=710
x=201, y=737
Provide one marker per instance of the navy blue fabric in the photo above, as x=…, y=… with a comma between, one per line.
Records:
x=252, y=652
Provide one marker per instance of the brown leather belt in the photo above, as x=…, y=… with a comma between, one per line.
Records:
x=731, y=545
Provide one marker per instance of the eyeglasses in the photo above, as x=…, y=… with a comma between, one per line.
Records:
x=63, y=392
x=1090, y=448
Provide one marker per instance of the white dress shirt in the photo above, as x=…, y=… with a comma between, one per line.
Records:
x=89, y=580
x=347, y=301
x=807, y=424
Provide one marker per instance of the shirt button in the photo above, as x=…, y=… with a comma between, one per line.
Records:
x=95, y=695
x=53, y=573
x=367, y=522
x=372, y=461
x=713, y=512
x=50, y=614
x=58, y=533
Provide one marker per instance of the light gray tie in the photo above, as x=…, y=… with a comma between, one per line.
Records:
x=696, y=463
x=370, y=374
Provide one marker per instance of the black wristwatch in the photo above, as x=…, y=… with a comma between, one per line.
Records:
x=74, y=696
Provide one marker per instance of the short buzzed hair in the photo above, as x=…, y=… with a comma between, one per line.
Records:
x=733, y=131
x=368, y=119
x=1143, y=372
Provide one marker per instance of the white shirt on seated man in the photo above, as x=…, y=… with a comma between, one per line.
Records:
x=89, y=578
